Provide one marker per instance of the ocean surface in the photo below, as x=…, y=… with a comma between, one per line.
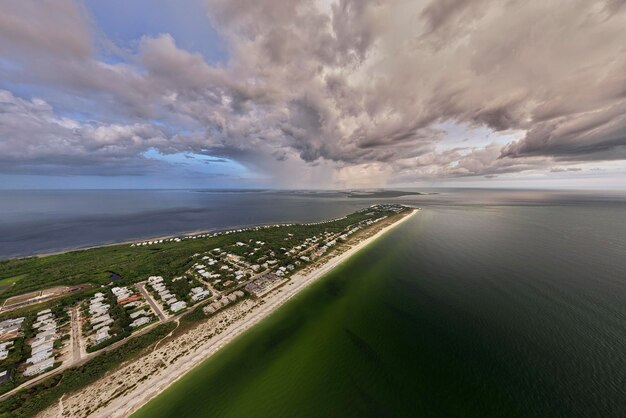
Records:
x=37, y=222
x=484, y=304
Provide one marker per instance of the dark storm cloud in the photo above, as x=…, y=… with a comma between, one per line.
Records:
x=353, y=87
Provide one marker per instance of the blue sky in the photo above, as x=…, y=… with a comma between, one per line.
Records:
x=125, y=22
x=233, y=93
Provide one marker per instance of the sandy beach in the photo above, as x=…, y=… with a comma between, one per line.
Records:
x=127, y=389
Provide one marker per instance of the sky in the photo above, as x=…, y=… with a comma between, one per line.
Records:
x=312, y=94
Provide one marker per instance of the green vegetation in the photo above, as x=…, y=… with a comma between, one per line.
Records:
x=120, y=328
x=30, y=401
x=168, y=259
x=131, y=264
x=20, y=351
x=10, y=280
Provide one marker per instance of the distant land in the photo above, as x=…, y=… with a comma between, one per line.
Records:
x=381, y=194
x=357, y=194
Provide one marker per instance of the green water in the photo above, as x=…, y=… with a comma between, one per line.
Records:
x=459, y=312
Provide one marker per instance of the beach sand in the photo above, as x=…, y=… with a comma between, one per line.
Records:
x=124, y=391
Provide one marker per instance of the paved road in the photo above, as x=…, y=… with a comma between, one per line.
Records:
x=75, y=334
x=154, y=306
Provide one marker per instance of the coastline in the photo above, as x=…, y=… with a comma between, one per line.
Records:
x=130, y=399
x=149, y=238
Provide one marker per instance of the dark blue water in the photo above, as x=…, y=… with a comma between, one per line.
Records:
x=33, y=222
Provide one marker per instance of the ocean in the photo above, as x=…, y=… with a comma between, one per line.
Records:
x=484, y=304
x=43, y=221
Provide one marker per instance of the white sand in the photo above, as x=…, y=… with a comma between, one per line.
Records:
x=124, y=391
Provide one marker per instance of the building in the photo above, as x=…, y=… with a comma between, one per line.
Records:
x=39, y=367
x=140, y=321
x=137, y=314
x=42, y=340
x=101, y=336
x=103, y=324
x=200, y=296
x=130, y=299
x=178, y=306
x=47, y=346
x=10, y=324
x=99, y=319
x=42, y=355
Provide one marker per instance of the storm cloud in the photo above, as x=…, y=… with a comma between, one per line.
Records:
x=347, y=92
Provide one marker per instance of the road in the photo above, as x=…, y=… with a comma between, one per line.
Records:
x=88, y=356
x=75, y=334
x=154, y=306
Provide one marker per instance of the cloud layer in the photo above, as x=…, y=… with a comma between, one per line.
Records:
x=345, y=93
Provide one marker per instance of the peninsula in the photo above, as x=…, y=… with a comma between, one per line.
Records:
x=121, y=323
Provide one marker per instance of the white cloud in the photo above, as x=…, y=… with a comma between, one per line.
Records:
x=348, y=92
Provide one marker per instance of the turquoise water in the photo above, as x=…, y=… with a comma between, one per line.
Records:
x=481, y=311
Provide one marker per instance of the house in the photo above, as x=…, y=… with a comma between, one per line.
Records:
x=48, y=327
x=199, y=296
x=46, y=333
x=137, y=314
x=42, y=340
x=140, y=321
x=39, y=324
x=47, y=346
x=41, y=318
x=10, y=325
x=155, y=279
x=103, y=324
x=129, y=299
x=178, y=306
x=39, y=367
x=99, y=319
x=101, y=336
x=42, y=355
x=98, y=308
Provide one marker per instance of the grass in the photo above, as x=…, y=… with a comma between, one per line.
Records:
x=10, y=280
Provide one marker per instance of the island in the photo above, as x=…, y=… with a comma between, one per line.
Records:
x=100, y=332
x=380, y=194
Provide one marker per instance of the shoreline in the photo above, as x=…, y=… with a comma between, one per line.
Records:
x=269, y=308
x=301, y=282
x=151, y=238
x=143, y=392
